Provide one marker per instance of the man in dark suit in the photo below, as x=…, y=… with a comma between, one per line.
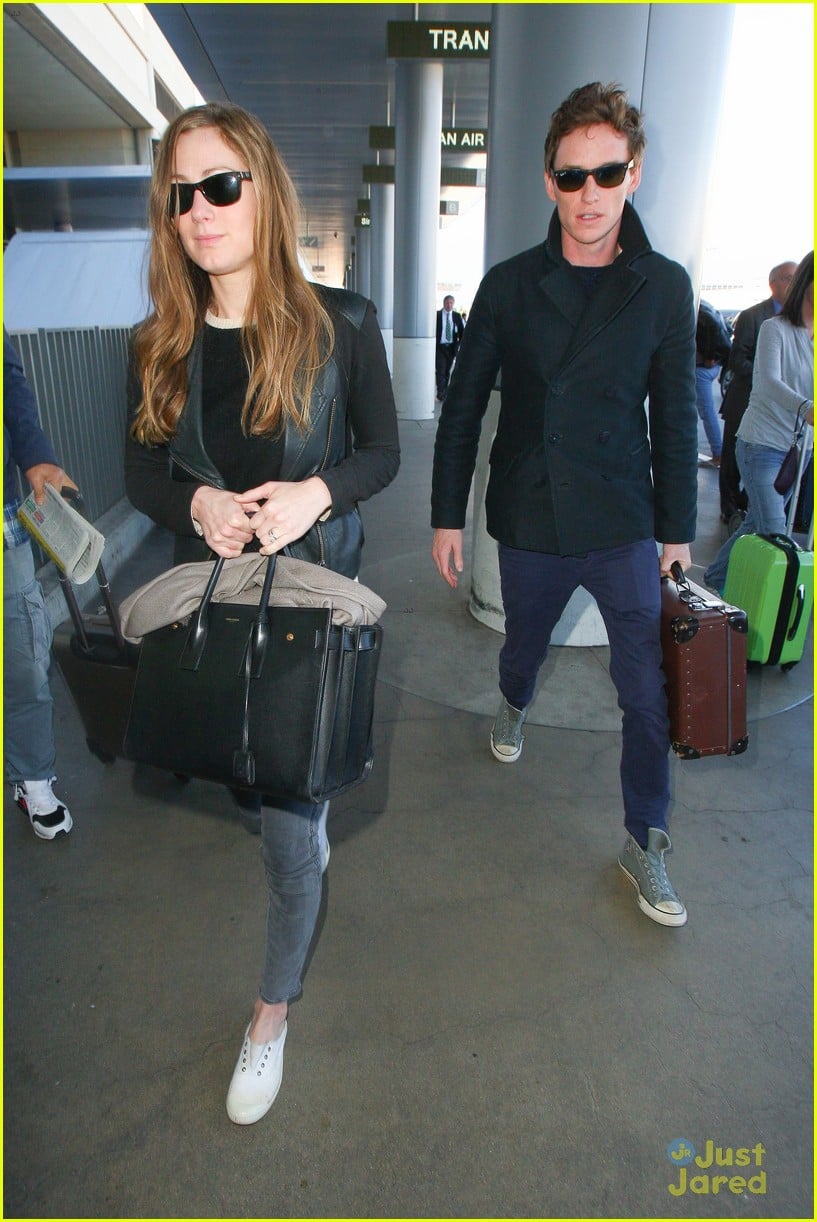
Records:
x=737, y=382
x=584, y=328
x=450, y=328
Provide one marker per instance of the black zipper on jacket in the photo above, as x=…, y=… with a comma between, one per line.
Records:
x=196, y=474
x=322, y=467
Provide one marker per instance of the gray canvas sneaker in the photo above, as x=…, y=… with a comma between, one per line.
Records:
x=506, y=735
x=647, y=872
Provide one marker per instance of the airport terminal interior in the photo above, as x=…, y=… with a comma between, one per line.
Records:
x=489, y=1026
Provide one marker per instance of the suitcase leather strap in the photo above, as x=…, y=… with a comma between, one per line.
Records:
x=789, y=595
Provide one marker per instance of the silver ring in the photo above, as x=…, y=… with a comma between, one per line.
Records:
x=272, y=535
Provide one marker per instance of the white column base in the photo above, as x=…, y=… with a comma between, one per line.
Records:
x=413, y=377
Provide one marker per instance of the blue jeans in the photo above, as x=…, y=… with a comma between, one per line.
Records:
x=27, y=703
x=705, y=403
x=766, y=514
x=295, y=851
x=626, y=584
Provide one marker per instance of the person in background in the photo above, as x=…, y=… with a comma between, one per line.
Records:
x=782, y=392
x=737, y=386
x=584, y=328
x=28, y=707
x=712, y=347
x=261, y=414
x=450, y=327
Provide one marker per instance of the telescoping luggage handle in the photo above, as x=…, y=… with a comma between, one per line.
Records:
x=75, y=497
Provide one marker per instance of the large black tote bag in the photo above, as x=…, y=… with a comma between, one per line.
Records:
x=275, y=699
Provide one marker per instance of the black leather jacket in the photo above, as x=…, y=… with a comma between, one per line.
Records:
x=351, y=442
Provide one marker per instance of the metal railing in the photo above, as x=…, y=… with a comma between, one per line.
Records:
x=78, y=377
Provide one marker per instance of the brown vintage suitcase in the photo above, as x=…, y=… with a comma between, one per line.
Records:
x=704, y=646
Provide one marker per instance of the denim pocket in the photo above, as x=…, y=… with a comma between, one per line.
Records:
x=34, y=624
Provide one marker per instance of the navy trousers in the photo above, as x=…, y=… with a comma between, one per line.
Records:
x=626, y=584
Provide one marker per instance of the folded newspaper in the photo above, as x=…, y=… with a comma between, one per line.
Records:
x=73, y=544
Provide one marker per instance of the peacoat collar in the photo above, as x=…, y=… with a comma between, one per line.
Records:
x=616, y=288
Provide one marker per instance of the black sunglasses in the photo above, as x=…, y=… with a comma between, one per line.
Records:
x=610, y=175
x=219, y=190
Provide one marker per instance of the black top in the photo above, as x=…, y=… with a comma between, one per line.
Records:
x=244, y=460
x=356, y=375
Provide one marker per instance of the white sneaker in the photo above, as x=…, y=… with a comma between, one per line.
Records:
x=47, y=815
x=256, y=1079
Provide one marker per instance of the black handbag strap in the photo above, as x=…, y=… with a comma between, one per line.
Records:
x=254, y=654
x=193, y=651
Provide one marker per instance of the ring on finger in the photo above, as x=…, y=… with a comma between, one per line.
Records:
x=272, y=535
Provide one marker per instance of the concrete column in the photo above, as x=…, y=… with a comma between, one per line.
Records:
x=418, y=121
x=382, y=261
x=363, y=260
x=671, y=59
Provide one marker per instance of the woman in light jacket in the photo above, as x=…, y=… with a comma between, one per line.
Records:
x=261, y=414
x=782, y=388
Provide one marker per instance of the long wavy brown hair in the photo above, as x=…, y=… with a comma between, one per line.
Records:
x=286, y=335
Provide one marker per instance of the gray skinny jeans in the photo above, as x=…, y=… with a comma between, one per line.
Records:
x=295, y=851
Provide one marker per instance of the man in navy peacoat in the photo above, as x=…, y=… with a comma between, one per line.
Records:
x=595, y=454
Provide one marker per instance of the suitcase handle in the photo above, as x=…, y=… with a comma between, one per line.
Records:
x=75, y=497
x=800, y=600
x=685, y=592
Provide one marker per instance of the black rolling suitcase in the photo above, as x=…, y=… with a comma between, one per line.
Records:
x=99, y=667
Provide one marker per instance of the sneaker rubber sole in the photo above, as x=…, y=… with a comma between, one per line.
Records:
x=672, y=919
x=502, y=756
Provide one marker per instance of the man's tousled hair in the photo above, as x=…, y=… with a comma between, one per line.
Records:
x=596, y=103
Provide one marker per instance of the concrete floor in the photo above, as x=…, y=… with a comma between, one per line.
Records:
x=489, y=1026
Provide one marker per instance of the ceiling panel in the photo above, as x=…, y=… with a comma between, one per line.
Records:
x=41, y=94
x=318, y=78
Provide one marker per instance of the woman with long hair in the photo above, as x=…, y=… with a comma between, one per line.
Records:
x=782, y=393
x=261, y=414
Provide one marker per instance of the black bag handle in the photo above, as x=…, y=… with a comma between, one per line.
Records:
x=193, y=651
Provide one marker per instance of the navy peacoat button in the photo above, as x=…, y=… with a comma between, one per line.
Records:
x=554, y=438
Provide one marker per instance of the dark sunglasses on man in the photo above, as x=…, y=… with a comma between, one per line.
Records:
x=606, y=176
x=220, y=190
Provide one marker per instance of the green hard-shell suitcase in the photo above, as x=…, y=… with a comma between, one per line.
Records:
x=772, y=579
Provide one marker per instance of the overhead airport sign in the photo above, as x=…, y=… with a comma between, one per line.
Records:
x=378, y=173
x=437, y=40
x=450, y=176
x=452, y=139
x=381, y=137
x=465, y=139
